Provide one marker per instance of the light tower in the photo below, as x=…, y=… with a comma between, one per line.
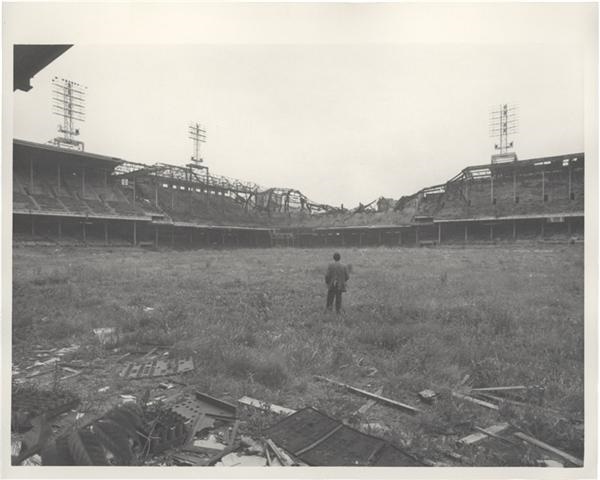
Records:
x=504, y=122
x=68, y=103
x=198, y=135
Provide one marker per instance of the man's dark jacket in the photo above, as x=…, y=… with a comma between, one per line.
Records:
x=337, y=275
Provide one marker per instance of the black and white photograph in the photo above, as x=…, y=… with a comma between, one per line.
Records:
x=300, y=235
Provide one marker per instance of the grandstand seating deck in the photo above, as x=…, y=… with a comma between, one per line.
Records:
x=74, y=205
x=22, y=201
x=98, y=208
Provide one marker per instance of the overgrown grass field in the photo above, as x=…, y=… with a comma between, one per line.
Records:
x=255, y=323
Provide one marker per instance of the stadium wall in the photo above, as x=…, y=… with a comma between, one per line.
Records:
x=75, y=197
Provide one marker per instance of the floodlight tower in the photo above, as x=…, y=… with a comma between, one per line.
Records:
x=68, y=103
x=198, y=135
x=504, y=121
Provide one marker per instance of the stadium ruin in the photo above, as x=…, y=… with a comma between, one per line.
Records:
x=75, y=197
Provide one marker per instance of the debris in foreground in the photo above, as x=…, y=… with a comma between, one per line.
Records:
x=476, y=437
x=428, y=396
x=369, y=404
x=489, y=405
x=549, y=448
x=318, y=439
x=386, y=401
x=157, y=368
x=252, y=402
x=29, y=402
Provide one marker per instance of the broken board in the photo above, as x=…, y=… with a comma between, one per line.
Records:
x=318, y=439
x=157, y=368
x=190, y=406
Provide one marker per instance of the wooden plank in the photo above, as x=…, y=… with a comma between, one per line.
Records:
x=498, y=389
x=283, y=457
x=549, y=448
x=253, y=402
x=475, y=437
x=386, y=401
x=370, y=403
x=494, y=435
x=476, y=401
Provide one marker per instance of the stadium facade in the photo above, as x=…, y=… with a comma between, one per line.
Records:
x=70, y=196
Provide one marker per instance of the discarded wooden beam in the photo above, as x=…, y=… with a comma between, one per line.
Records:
x=370, y=403
x=253, y=402
x=149, y=353
x=495, y=398
x=475, y=437
x=549, y=448
x=498, y=389
x=493, y=435
x=123, y=356
x=475, y=400
x=283, y=457
x=71, y=375
x=386, y=401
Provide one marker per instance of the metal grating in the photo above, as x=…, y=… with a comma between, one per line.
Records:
x=157, y=368
x=318, y=439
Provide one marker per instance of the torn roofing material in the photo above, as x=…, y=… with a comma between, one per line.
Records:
x=318, y=439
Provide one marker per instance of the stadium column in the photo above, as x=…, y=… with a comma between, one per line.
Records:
x=543, y=185
x=31, y=175
x=133, y=192
x=570, y=179
x=400, y=237
x=417, y=235
x=84, y=231
x=134, y=233
x=156, y=192
x=82, y=180
x=466, y=232
x=439, y=233
x=491, y=186
x=491, y=232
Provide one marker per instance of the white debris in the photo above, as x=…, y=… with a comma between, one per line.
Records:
x=107, y=335
x=237, y=460
x=210, y=443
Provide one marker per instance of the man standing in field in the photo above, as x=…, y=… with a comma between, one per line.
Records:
x=336, y=278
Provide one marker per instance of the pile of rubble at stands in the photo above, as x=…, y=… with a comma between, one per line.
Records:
x=174, y=424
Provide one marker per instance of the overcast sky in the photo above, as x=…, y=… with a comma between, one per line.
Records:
x=343, y=123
